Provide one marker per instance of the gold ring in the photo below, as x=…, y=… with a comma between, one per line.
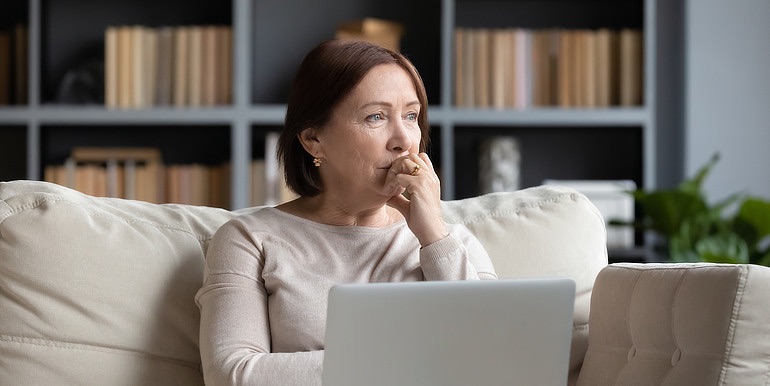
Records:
x=416, y=170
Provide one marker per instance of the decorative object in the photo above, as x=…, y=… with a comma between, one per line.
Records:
x=499, y=165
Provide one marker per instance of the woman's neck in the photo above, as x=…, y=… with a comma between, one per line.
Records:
x=327, y=210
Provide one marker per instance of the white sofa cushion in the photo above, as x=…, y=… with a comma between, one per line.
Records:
x=539, y=232
x=679, y=324
x=100, y=290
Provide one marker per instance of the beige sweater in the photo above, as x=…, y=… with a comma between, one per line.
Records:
x=267, y=278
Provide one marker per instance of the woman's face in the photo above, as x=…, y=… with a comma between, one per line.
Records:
x=375, y=124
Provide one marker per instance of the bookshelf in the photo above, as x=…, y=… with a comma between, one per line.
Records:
x=268, y=41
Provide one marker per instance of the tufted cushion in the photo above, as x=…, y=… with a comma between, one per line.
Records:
x=679, y=324
x=537, y=232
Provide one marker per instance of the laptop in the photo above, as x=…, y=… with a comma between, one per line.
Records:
x=500, y=332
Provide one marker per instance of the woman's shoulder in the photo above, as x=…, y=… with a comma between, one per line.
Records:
x=254, y=219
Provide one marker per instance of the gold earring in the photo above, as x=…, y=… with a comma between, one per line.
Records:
x=317, y=162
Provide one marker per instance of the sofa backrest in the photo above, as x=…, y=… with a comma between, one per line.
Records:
x=100, y=290
x=679, y=324
x=539, y=232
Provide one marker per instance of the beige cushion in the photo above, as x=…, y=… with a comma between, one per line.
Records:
x=541, y=231
x=679, y=324
x=100, y=291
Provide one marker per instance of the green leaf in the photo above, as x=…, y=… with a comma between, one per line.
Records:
x=756, y=212
x=680, y=250
x=723, y=248
x=668, y=209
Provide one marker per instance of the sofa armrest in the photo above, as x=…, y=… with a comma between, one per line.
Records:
x=677, y=324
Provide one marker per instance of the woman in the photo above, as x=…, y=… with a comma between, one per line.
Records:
x=354, y=138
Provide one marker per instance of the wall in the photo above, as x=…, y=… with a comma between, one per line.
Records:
x=727, y=94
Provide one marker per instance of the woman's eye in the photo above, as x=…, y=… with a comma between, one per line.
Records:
x=411, y=116
x=375, y=117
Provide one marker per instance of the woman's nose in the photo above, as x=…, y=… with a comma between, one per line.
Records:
x=399, y=139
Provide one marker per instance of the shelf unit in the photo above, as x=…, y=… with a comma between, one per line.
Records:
x=269, y=40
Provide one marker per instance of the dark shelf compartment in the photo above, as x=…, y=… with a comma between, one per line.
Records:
x=550, y=13
x=566, y=153
x=13, y=153
x=208, y=145
x=279, y=46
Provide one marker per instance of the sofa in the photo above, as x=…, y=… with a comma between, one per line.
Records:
x=99, y=291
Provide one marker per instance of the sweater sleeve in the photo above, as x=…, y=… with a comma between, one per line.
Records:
x=458, y=256
x=235, y=341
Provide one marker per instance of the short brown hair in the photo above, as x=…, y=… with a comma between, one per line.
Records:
x=327, y=75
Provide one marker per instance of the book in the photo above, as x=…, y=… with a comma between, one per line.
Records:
x=138, y=67
x=219, y=182
x=181, y=66
x=481, y=69
x=103, y=154
x=383, y=32
x=209, y=66
x=602, y=67
x=111, y=68
x=500, y=68
x=195, y=74
x=521, y=70
x=589, y=68
x=138, y=168
x=165, y=71
x=564, y=71
x=224, y=54
x=149, y=66
x=124, y=67
x=630, y=67
x=541, y=67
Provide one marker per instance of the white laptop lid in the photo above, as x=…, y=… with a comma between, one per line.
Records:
x=500, y=332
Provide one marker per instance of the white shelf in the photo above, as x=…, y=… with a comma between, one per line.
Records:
x=574, y=117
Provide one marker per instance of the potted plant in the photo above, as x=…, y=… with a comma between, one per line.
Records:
x=734, y=230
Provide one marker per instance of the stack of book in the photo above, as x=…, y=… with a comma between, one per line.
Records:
x=13, y=66
x=186, y=66
x=140, y=174
x=520, y=68
x=132, y=173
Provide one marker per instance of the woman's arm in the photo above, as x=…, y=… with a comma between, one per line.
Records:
x=459, y=256
x=235, y=338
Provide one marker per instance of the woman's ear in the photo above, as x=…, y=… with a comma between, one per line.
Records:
x=309, y=140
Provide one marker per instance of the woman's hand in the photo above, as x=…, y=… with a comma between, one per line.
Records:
x=422, y=210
